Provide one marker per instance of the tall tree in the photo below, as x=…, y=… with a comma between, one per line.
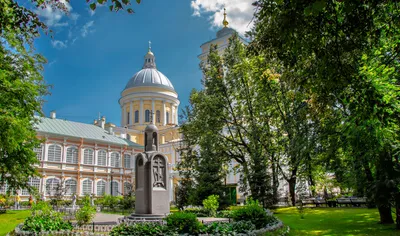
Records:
x=344, y=54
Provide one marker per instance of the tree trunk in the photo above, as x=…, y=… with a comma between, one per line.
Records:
x=385, y=214
x=292, y=190
x=397, y=200
x=275, y=181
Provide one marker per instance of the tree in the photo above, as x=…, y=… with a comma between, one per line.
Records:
x=22, y=86
x=343, y=55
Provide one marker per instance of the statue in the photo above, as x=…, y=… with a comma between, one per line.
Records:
x=92, y=199
x=43, y=197
x=73, y=201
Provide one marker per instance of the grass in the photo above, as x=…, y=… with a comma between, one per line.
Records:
x=335, y=221
x=11, y=219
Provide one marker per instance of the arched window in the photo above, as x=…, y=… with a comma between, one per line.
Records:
x=101, y=188
x=4, y=188
x=136, y=116
x=102, y=158
x=127, y=161
x=39, y=152
x=52, y=186
x=86, y=187
x=147, y=116
x=88, y=155
x=127, y=188
x=167, y=118
x=114, y=188
x=115, y=159
x=158, y=116
x=54, y=153
x=70, y=187
x=33, y=182
x=72, y=155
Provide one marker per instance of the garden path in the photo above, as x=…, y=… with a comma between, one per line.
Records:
x=103, y=217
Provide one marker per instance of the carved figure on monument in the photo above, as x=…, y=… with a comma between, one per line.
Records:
x=158, y=171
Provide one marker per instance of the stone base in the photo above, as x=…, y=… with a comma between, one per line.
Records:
x=145, y=217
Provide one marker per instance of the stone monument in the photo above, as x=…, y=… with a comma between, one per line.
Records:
x=152, y=198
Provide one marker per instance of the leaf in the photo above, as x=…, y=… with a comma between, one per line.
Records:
x=130, y=11
x=111, y=7
x=126, y=2
x=101, y=1
x=138, y=1
x=92, y=6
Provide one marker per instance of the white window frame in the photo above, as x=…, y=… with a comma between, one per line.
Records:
x=88, y=156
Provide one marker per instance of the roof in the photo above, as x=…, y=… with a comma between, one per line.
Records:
x=80, y=130
x=150, y=77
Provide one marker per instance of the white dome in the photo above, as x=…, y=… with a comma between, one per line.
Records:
x=149, y=77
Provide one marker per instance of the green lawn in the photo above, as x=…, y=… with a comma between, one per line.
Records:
x=335, y=221
x=11, y=219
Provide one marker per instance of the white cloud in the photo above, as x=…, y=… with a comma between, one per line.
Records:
x=73, y=41
x=52, y=62
x=53, y=16
x=239, y=12
x=58, y=44
x=61, y=24
x=87, y=28
x=74, y=17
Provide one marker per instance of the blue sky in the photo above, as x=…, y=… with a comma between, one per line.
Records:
x=93, y=56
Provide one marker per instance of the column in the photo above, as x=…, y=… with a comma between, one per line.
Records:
x=124, y=116
x=176, y=114
x=153, y=111
x=171, y=188
x=141, y=115
x=170, y=114
x=131, y=114
x=164, y=114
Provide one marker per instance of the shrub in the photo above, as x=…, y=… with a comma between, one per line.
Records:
x=211, y=204
x=128, y=202
x=218, y=228
x=140, y=229
x=225, y=214
x=199, y=212
x=41, y=207
x=46, y=221
x=243, y=227
x=183, y=222
x=254, y=213
x=111, y=201
x=85, y=214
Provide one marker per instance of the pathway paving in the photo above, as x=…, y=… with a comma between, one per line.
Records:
x=103, y=217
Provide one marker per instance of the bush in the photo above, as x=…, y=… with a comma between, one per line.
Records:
x=85, y=214
x=254, y=213
x=127, y=202
x=211, y=205
x=225, y=214
x=183, y=222
x=199, y=212
x=140, y=229
x=218, y=228
x=111, y=201
x=46, y=221
x=243, y=227
x=41, y=207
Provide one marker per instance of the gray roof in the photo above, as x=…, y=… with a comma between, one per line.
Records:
x=80, y=130
x=150, y=77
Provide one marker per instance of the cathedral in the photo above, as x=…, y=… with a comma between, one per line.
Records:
x=99, y=158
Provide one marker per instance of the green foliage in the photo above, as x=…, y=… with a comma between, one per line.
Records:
x=199, y=212
x=46, y=221
x=211, y=204
x=183, y=222
x=85, y=214
x=243, y=227
x=254, y=213
x=110, y=201
x=142, y=229
x=218, y=228
x=41, y=206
